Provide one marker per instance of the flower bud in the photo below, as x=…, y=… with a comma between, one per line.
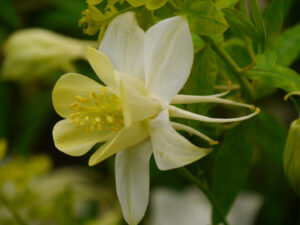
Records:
x=291, y=157
x=32, y=53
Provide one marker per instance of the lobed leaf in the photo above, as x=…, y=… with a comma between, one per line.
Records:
x=274, y=75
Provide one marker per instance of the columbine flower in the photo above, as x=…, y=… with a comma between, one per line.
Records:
x=142, y=72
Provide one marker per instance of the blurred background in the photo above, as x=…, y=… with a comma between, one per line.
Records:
x=46, y=186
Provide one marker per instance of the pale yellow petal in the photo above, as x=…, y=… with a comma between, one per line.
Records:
x=125, y=138
x=171, y=150
x=102, y=67
x=68, y=87
x=132, y=180
x=137, y=107
x=76, y=141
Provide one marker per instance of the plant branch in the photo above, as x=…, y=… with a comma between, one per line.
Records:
x=237, y=71
x=189, y=176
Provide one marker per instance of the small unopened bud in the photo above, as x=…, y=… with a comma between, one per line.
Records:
x=291, y=156
x=33, y=53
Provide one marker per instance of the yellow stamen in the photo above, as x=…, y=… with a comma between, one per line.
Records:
x=97, y=111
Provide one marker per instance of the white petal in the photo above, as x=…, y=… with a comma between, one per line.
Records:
x=132, y=180
x=171, y=150
x=76, y=141
x=125, y=138
x=190, y=99
x=168, y=57
x=123, y=43
x=180, y=113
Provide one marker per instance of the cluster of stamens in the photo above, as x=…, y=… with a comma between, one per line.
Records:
x=97, y=112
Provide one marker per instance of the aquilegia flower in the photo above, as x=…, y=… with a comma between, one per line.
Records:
x=143, y=72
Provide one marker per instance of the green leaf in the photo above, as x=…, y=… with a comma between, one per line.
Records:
x=203, y=75
x=287, y=46
x=232, y=164
x=236, y=48
x=136, y=3
x=269, y=135
x=201, y=80
x=240, y=23
x=226, y=3
x=9, y=14
x=144, y=18
x=273, y=75
x=206, y=71
x=155, y=4
x=205, y=18
x=273, y=19
x=258, y=22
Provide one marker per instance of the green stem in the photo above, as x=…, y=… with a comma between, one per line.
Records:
x=237, y=71
x=189, y=176
x=12, y=210
x=296, y=104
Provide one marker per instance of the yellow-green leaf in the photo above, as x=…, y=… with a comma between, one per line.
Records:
x=205, y=18
x=136, y=3
x=155, y=4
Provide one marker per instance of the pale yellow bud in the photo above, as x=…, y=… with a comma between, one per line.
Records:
x=33, y=53
x=291, y=157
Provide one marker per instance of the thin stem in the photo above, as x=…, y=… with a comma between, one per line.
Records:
x=12, y=210
x=189, y=176
x=296, y=104
x=245, y=85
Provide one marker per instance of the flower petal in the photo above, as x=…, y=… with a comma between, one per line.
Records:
x=132, y=180
x=168, y=57
x=136, y=107
x=76, y=141
x=102, y=67
x=123, y=43
x=68, y=87
x=171, y=150
x=125, y=138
